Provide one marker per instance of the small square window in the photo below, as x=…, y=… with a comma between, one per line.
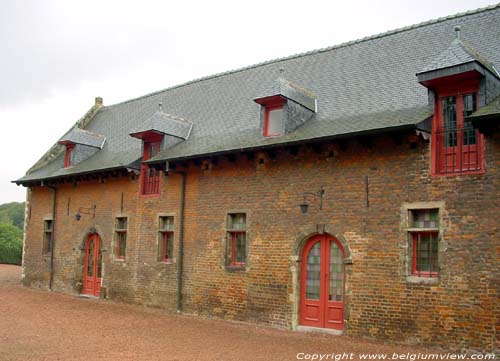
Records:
x=120, y=237
x=236, y=240
x=424, y=218
x=47, y=235
x=166, y=239
x=273, y=120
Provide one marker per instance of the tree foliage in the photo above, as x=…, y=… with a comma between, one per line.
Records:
x=11, y=244
x=12, y=213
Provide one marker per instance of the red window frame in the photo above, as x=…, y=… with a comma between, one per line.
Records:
x=167, y=237
x=67, y=156
x=121, y=237
x=272, y=105
x=232, y=258
x=150, y=177
x=237, y=224
x=459, y=158
x=47, y=234
x=415, y=271
x=166, y=232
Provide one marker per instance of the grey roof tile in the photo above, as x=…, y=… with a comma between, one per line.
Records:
x=166, y=124
x=288, y=89
x=362, y=85
x=85, y=137
x=489, y=110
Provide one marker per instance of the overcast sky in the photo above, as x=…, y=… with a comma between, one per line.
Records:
x=57, y=56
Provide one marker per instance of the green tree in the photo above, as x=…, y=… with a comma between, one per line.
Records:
x=11, y=244
x=12, y=213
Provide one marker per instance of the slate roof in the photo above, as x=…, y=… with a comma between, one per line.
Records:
x=166, y=124
x=82, y=136
x=456, y=54
x=361, y=86
x=289, y=90
x=489, y=111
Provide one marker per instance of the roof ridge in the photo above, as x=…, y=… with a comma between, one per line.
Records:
x=317, y=51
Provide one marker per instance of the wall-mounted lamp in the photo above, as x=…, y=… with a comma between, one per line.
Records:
x=304, y=206
x=83, y=210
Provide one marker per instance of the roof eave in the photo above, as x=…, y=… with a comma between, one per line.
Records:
x=395, y=129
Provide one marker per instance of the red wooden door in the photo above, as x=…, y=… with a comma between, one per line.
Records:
x=322, y=283
x=92, y=266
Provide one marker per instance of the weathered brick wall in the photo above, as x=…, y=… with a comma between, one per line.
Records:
x=461, y=310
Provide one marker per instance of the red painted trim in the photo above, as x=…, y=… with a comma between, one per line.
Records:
x=67, y=156
x=164, y=239
x=456, y=86
x=232, y=259
x=323, y=305
x=92, y=284
x=150, y=184
x=269, y=108
x=414, y=270
x=148, y=136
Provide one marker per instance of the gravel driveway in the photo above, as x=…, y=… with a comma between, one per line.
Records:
x=41, y=325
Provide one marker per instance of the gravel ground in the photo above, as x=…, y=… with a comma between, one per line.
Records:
x=41, y=325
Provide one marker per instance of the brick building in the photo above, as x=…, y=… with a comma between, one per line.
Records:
x=353, y=189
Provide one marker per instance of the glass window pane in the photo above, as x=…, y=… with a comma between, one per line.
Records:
x=425, y=218
x=313, y=272
x=99, y=265
x=239, y=240
x=336, y=287
x=275, y=121
x=450, y=121
x=427, y=253
x=237, y=221
x=90, y=264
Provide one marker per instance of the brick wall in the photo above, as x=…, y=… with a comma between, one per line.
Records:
x=461, y=310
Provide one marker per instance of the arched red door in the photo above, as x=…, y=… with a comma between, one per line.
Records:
x=322, y=283
x=92, y=266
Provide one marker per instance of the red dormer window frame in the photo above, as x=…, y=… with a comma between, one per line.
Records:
x=150, y=177
x=270, y=104
x=67, y=156
x=454, y=156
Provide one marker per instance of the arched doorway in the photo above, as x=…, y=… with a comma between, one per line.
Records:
x=322, y=280
x=92, y=266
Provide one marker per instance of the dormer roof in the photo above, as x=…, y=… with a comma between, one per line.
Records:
x=161, y=122
x=83, y=137
x=287, y=89
x=455, y=59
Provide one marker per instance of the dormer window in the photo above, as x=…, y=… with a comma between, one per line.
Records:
x=285, y=106
x=67, y=156
x=273, y=119
x=88, y=143
x=150, y=177
x=455, y=79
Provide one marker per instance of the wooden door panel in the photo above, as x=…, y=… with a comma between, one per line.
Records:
x=322, y=284
x=92, y=266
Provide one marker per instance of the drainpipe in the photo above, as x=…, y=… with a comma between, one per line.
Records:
x=52, y=234
x=181, y=240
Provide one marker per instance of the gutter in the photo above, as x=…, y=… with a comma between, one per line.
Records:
x=180, y=256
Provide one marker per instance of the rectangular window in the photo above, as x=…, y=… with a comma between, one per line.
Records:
x=47, y=234
x=120, y=237
x=236, y=240
x=273, y=120
x=166, y=238
x=150, y=177
x=67, y=156
x=458, y=146
x=423, y=234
